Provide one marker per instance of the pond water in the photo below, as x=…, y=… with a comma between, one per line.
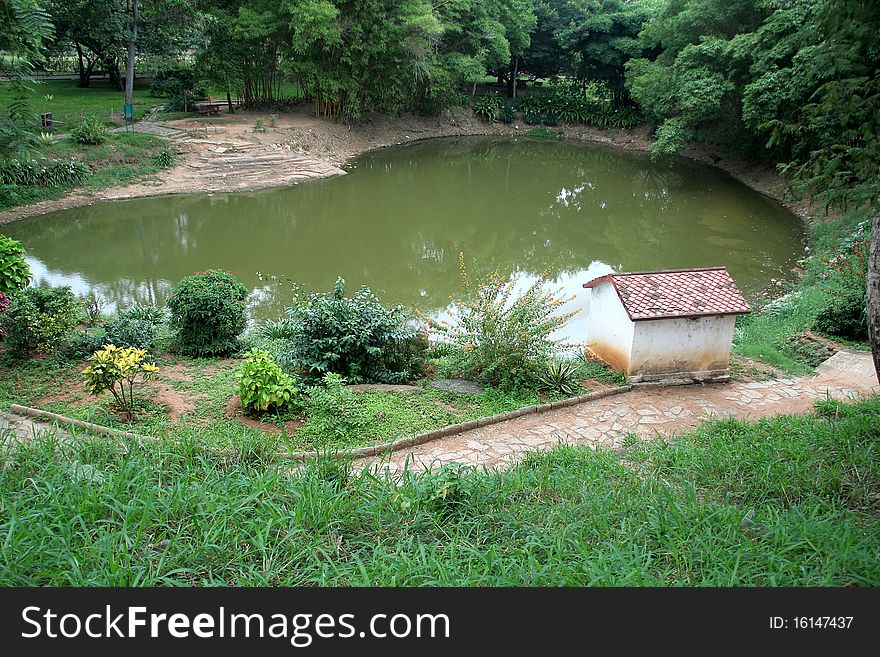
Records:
x=399, y=220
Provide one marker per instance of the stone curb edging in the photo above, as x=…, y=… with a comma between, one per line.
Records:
x=372, y=450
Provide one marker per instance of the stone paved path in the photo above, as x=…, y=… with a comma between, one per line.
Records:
x=646, y=411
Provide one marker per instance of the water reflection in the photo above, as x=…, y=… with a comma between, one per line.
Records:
x=398, y=221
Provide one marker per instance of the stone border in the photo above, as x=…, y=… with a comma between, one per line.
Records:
x=372, y=450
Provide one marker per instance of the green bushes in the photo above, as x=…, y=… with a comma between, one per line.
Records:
x=39, y=319
x=333, y=412
x=507, y=114
x=354, y=337
x=208, y=313
x=14, y=271
x=262, y=386
x=129, y=332
x=42, y=173
x=487, y=106
x=504, y=340
x=845, y=286
x=91, y=131
x=574, y=103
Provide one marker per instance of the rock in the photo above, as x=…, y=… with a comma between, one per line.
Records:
x=457, y=386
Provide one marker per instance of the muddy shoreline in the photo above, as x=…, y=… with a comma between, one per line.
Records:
x=230, y=155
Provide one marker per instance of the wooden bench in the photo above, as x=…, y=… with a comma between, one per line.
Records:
x=209, y=109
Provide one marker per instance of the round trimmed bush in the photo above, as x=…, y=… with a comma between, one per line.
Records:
x=208, y=313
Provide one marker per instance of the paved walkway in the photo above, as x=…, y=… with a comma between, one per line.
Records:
x=647, y=411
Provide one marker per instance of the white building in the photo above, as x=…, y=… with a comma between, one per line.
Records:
x=665, y=325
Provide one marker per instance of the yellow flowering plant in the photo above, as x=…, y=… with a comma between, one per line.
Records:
x=117, y=370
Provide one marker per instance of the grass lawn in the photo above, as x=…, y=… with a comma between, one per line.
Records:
x=69, y=101
x=786, y=502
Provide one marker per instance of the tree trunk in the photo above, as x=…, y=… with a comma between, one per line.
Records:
x=114, y=75
x=515, y=73
x=129, y=64
x=229, y=102
x=874, y=293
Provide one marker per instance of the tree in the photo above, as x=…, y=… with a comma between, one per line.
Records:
x=25, y=30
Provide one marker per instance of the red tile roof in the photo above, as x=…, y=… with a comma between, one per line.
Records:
x=676, y=293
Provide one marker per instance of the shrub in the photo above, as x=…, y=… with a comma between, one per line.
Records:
x=354, y=337
x=507, y=114
x=262, y=386
x=39, y=318
x=487, y=106
x=14, y=271
x=550, y=119
x=560, y=376
x=165, y=158
x=117, y=370
x=77, y=346
x=208, y=313
x=504, y=340
x=845, y=286
x=172, y=81
x=91, y=131
x=532, y=118
x=127, y=332
x=272, y=330
x=145, y=312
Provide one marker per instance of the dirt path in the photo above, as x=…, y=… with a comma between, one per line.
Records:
x=648, y=412
x=230, y=153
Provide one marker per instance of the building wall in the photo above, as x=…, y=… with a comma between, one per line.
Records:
x=610, y=330
x=662, y=346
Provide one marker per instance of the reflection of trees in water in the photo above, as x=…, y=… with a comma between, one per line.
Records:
x=398, y=222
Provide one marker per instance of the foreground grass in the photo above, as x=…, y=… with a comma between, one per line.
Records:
x=785, y=502
x=68, y=102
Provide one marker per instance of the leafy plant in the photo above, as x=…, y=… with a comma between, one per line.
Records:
x=507, y=114
x=487, y=106
x=117, y=370
x=38, y=319
x=561, y=376
x=532, y=118
x=78, y=345
x=165, y=158
x=260, y=125
x=42, y=173
x=550, y=119
x=91, y=131
x=208, y=313
x=14, y=271
x=128, y=332
x=355, y=337
x=845, y=286
x=333, y=412
x=504, y=339
x=275, y=330
x=47, y=139
x=145, y=312
x=262, y=386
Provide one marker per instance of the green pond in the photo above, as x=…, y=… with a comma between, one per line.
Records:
x=398, y=221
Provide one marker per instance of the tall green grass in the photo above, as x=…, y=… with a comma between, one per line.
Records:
x=785, y=502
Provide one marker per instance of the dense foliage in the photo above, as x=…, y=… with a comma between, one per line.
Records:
x=355, y=337
x=14, y=271
x=128, y=332
x=39, y=319
x=91, y=131
x=208, y=313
